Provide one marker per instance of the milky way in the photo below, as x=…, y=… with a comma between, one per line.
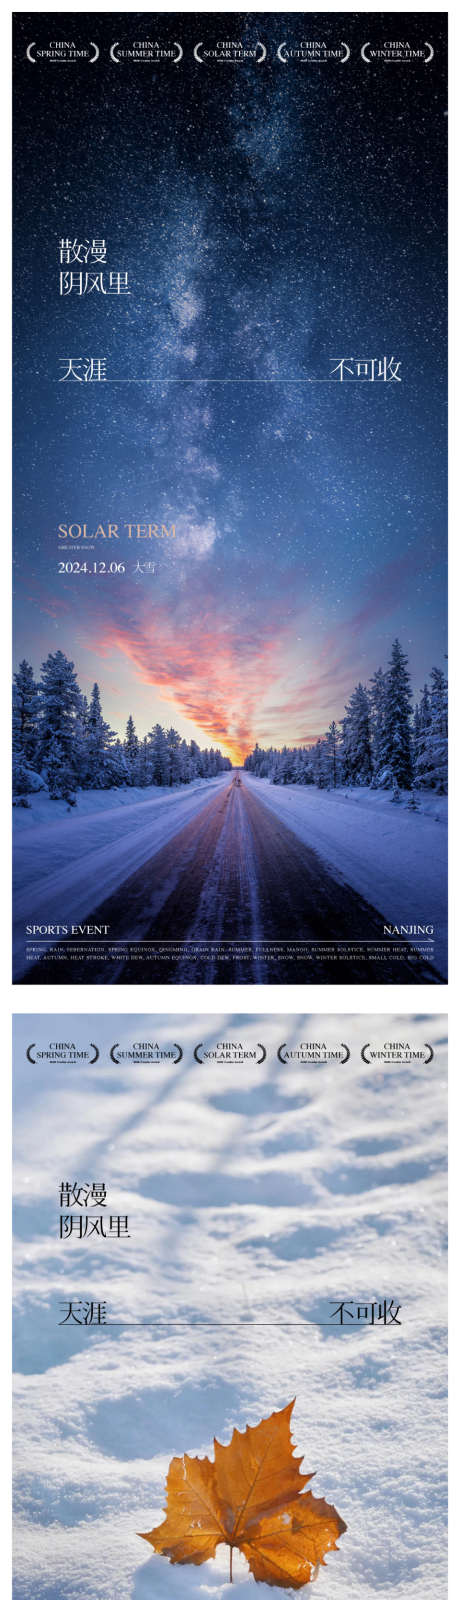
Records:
x=271, y=217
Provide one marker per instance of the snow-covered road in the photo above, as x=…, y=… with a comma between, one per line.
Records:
x=395, y=857
x=62, y=863
x=238, y=882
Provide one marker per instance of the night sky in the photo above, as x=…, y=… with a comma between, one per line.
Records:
x=270, y=217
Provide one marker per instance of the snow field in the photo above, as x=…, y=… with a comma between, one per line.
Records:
x=257, y=1195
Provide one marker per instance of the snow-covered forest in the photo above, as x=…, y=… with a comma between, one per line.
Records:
x=61, y=741
x=381, y=742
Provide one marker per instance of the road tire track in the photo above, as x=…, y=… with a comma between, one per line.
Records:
x=236, y=874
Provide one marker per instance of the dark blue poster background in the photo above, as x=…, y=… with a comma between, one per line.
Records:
x=230, y=730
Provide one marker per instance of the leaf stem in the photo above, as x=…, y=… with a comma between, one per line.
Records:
x=231, y=1563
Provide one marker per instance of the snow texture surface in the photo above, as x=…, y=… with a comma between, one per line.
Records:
x=257, y=1194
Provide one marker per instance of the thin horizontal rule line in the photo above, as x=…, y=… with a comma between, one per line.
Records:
x=306, y=1323
x=338, y=383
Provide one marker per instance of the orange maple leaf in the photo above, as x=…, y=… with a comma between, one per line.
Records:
x=252, y=1498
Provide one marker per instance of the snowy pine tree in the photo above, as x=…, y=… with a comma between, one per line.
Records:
x=356, y=747
x=143, y=765
x=160, y=766
x=26, y=704
x=80, y=743
x=186, y=762
x=60, y=703
x=131, y=749
x=377, y=696
x=412, y=804
x=99, y=742
x=422, y=762
x=58, y=773
x=332, y=754
x=285, y=767
x=173, y=740
x=320, y=764
x=118, y=772
x=438, y=745
x=194, y=754
x=396, y=752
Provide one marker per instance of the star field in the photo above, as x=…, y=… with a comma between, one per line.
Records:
x=270, y=217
